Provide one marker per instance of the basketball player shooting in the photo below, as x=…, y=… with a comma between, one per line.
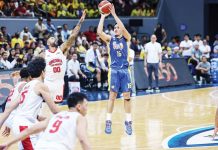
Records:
x=118, y=77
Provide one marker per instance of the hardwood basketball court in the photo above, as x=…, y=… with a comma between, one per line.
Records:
x=155, y=117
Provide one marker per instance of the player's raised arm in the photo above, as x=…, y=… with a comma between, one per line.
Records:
x=105, y=37
x=13, y=105
x=65, y=46
x=120, y=24
x=82, y=133
x=43, y=90
x=23, y=135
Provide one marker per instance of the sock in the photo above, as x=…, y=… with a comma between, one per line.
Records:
x=128, y=117
x=99, y=84
x=109, y=116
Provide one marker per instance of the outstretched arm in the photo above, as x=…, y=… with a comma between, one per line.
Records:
x=65, y=46
x=81, y=131
x=120, y=24
x=105, y=37
x=29, y=131
x=13, y=105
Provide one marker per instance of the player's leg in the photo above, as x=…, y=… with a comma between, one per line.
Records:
x=156, y=68
x=126, y=88
x=113, y=88
x=149, y=67
x=98, y=76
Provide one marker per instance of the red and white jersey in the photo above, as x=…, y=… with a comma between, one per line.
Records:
x=60, y=133
x=30, y=103
x=55, y=65
x=14, y=93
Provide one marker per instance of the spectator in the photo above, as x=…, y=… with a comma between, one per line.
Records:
x=3, y=42
x=6, y=36
x=29, y=55
x=11, y=55
x=216, y=41
x=160, y=33
x=40, y=28
x=93, y=63
x=197, y=38
x=186, y=47
x=203, y=70
x=152, y=61
x=134, y=45
x=173, y=43
x=26, y=33
x=73, y=69
x=205, y=49
x=65, y=33
x=1, y=64
x=175, y=53
x=58, y=32
x=215, y=52
x=7, y=10
x=17, y=39
x=110, y=30
x=6, y=63
x=21, y=10
x=91, y=35
x=196, y=56
x=136, y=11
x=61, y=12
x=71, y=12
x=39, y=49
x=166, y=48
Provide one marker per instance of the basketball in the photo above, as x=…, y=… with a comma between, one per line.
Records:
x=104, y=6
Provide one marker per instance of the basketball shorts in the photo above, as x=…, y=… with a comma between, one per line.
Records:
x=19, y=125
x=119, y=80
x=56, y=88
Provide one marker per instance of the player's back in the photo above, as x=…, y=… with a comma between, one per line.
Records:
x=118, y=53
x=30, y=102
x=14, y=93
x=55, y=65
x=60, y=133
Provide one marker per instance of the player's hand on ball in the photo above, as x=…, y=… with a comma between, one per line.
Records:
x=105, y=15
x=112, y=10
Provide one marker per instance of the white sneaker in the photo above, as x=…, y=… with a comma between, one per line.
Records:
x=133, y=94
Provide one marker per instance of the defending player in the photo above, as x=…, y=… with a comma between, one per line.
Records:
x=119, y=76
x=14, y=93
x=56, y=62
x=29, y=102
x=62, y=129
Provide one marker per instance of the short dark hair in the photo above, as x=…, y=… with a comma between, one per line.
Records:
x=36, y=66
x=24, y=73
x=75, y=98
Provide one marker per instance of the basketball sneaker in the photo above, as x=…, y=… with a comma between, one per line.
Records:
x=108, y=129
x=128, y=125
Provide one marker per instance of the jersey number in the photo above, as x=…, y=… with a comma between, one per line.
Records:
x=56, y=69
x=55, y=126
x=23, y=95
x=119, y=54
x=10, y=94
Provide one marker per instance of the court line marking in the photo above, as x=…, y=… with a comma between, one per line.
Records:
x=182, y=102
x=192, y=126
x=211, y=94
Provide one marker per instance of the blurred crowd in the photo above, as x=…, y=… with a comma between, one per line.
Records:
x=73, y=8
x=17, y=49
